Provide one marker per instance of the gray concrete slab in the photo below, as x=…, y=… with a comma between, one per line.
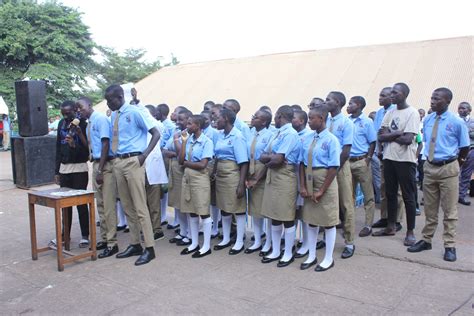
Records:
x=381, y=278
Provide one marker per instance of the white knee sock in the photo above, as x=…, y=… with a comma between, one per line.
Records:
x=226, y=222
x=194, y=228
x=268, y=240
x=176, y=217
x=182, y=221
x=206, y=228
x=188, y=218
x=330, y=242
x=289, y=242
x=312, y=238
x=276, y=239
x=257, y=232
x=164, y=206
x=215, y=219
x=239, y=241
x=304, y=247
x=121, y=215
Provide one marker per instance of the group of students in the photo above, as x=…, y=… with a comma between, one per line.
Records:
x=219, y=169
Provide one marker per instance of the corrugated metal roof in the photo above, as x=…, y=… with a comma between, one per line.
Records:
x=295, y=78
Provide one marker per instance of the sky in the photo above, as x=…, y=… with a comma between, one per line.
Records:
x=206, y=30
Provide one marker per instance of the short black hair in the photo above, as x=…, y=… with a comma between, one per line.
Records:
x=447, y=92
x=267, y=116
x=85, y=99
x=185, y=111
x=301, y=115
x=228, y=115
x=340, y=97
x=359, y=100
x=114, y=89
x=317, y=99
x=152, y=109
x=296, y=107
x=68, y=103
x=206, y=112
x=217, y=105
x=234, y=102
x=197, y=118
x=467, y=105
x=164, y=109
x=405, y=88
x=266, y=108
x=210, y=103
x=321, y=110
x=286, y=111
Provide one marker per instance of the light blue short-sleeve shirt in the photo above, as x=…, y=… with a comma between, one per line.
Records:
x=231, y=147
x=326, y=152
x=342, y=128
x=263, y=138
x=285, y=141
x=243, y=128
x=133, y=127
x=99, y=126
x=452, y=134
x=168, y=130
x=364, y=135
x=211, y=133
x=202, y=148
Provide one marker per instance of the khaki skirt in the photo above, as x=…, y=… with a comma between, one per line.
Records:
x=279, y=197
x=175, y=180
x=195, y=192
x=256, y=193
x=326, y=211
x=227, y=181
x=210, y=169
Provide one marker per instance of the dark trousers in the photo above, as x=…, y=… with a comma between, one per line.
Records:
x=77, y=180
x=404, y=174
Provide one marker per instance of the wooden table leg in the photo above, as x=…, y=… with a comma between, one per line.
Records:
x=34, y=245
x=92, y=229
x=59, y=239
x=67, y=233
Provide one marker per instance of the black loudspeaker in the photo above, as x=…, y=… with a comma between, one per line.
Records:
x=33, y=160
x=31, y=108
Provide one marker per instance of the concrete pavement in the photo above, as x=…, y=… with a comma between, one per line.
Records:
x=381, y=278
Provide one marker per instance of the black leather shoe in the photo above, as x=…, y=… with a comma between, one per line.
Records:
x=268, y=260
x=119, y=228
x=398, y=227
x=220, y=247
x=261, y=236
x=169, y=226
x=347, y=252
x=248, y=250
x=301, y=255
x=109, y=251
x=175, y=239
x=320, y=244
x=236, y=251
x=450, y=254
x=321, y=269
x=147, y=256
x=101, y=245
x=132, y=250
x=158, y=236
x=464, y=202
x=126, y=230
x=381, y=223
x=163, y=223
x=419, y=246
x=198, y=254
x=265, y=253
x=305, y=266
x=282, y=264
x=186, y=250
x=215, y=236
x=183, y=242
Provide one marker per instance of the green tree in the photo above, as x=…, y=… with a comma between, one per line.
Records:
x=44, y=41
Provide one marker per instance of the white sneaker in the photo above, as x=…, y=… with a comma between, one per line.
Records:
x=83, y=243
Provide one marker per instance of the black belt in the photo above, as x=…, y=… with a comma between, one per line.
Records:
x=109, y=158
x=128, y=155
x=352, y=159
x=442, y=162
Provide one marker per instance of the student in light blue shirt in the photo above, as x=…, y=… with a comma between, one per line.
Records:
x=207, y=129
x=447, y=145
x=194, y=155
x=98, y=134
x=130, y=126
x=168, y=126
x=232, y=166
x=319, y=160
x=234, y=106
x=362, y=150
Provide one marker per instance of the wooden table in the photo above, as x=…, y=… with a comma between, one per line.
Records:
x=44, y=198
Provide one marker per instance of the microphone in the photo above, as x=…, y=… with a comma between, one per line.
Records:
x=72, y=127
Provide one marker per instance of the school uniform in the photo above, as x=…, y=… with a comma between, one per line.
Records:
x=299, y=200
x=343, y=128
x=444, y=135
x=98, y=128
x=175, y=176
x=130, y=127
x=364, y=136
x=243, y=128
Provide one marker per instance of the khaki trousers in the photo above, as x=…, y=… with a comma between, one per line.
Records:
x=131, y=189
x=441, y=186
x=106, y=198
x=361, y=173
x=153, y=192
x=383, y=199
x=346, y=201
x=6, y=140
